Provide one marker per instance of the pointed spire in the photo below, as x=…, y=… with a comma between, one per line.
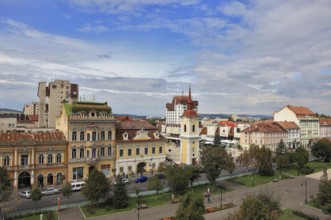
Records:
x=190, y=103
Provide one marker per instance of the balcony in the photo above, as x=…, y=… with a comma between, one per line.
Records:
x=92, y=161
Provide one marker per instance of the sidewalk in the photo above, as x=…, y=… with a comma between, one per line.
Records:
x=73, y=213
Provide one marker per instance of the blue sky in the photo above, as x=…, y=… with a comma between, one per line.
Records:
x=251, y=56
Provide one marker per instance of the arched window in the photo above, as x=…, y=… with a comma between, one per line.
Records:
x=94, y=136
x=102, y=152
x=94, y=153
x=50, y=158
x=58, y=158
x=184, y=128
x=41, y=158
x=102, y=135
x=109, y=151
x=74, y=136
x=73, y=153
x=109, y=135
x=82, y=135
x=193, y=128
x=6, y=160
x=81, y=153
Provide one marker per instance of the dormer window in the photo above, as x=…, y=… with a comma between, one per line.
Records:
x=125, y=136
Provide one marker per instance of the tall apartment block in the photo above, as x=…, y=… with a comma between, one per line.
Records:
x=177, y=107
x=52, y=97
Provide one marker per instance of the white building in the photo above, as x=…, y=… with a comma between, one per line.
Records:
x=57, y=93
x=307, y=121
x=177, y=107
x=31, y=108
x=293, y=133
x=325, y=128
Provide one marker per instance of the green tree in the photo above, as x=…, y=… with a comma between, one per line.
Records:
x=192, y=207
x=97, y=187
x=193, y=172
x=323, y=197
x=154, y=183
x=245, y=159
x=5, y=190
x=264, y=161
x=261, y=206
x=322, y=149
x=281, y=157
x=300, y=157
x=67, y=191
x=217, y=139
x=214, y=160
x=36, y=195
x=120, y=194
x=177, y=179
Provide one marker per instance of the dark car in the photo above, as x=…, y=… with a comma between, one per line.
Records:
x=141, y=179
x=160, y=176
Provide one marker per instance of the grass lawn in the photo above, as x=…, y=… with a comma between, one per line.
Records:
x=317, y=166
x=288, y=215
x=36, y=217
x=150, y=201
x=258, y=180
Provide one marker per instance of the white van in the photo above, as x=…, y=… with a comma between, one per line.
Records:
x=77, y=186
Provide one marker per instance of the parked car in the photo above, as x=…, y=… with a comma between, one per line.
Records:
x=141, y=179
x=25, y=194
x=124, y=180
x=77, y=186
x=50, y=191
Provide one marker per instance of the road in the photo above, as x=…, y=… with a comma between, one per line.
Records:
x=24, y=205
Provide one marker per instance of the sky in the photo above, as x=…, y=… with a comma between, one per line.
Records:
x=243, y=57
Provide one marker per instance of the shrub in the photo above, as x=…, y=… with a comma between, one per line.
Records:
x=306, y=170
x=49, y=215
x=303, y=215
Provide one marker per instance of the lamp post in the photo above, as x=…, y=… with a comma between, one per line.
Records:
x=305, y=190
x=221, y=197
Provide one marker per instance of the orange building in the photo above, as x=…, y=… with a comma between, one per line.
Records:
x=34, y=158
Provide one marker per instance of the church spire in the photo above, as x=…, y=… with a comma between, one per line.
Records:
x=190, y=102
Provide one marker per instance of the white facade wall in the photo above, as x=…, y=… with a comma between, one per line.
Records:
x=9, y=123
x=325, y=131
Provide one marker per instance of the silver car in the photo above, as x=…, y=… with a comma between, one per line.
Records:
x=25, y=194
x=50, y=191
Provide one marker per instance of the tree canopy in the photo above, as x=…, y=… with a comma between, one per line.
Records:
x=5, y=189
x=67, y=191
x=192, y=207
x=324, y=195
x=193, y=172
x=97, y=187
x=36, y=195
x=154, y=183
x=259, y=206
x=322, y=149
x=120, y=194
x=177, y=179
x=214, y=160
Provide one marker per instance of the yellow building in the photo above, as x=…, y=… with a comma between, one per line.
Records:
x=34, y=158
x=189, y=135
x=90, y=130
x=140, y=147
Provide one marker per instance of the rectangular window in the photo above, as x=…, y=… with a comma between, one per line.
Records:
x=105, y=169
x=24, y=159
x=160, y=150
x=129, y=152
x=77, y=173
x=121, y=152
x=153, y=150
x=146, y=151
x=121, y=169
x=137, y=151
x=109, y=151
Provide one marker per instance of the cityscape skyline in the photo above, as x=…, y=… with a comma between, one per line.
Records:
x=248, y=56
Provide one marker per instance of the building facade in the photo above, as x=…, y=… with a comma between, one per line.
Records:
x=52, y=97
x=90, y=129
x=34, y=159
x=267, y=134
x=325, y=128
x=293, y=132
x=140, y=147
x=307, y=121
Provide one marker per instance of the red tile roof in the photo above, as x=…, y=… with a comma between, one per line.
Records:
x=288, y=125
x=265, y=127
x=203, y=131
x=227, y=123
x=301, y=111
x=180, y=100
x=13, y=137
x=324, y=121
x=190, y=113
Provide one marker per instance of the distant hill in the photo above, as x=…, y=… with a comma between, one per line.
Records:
x=201, y=115
x=131, y=116
x=7, y=110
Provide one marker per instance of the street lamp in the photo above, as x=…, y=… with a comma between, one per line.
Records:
x=138, y=208
x=221, y=197
x=305, y=190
